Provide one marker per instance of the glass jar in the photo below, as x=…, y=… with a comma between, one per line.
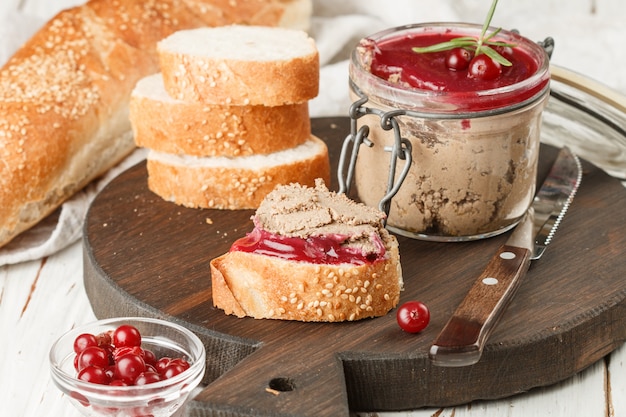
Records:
x=444, y=165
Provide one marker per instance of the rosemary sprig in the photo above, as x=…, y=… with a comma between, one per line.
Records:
x=481, y=45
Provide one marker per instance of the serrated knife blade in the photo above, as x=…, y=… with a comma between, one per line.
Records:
x=463, y=338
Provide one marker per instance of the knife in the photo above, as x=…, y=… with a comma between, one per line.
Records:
x=463, y=338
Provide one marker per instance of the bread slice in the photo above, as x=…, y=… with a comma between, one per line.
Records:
x=240, y=65
x=272, y=282
x=234, y=183
x=172, y=126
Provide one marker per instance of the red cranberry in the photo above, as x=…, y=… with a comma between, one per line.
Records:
x=121, y=351
x=92, y=356
x=162, y=363
x=172, y=370
x=83, y=341
x=484, y=68
x=126, y=335
x=149, y=357
x=147, y=378
x=118, y=383
x=128, y=368
x=413, y=316
x=458, y=59
x=94, y=374
x=505, y=51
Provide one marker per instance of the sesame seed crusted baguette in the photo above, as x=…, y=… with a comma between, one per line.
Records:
x=234, y=183
x=172, y=126
x=266, y=287
x=64, y=95
x=240, y=65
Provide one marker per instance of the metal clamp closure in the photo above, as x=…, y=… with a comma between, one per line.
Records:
x=400, y=150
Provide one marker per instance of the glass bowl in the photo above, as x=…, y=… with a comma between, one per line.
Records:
x=158, y=399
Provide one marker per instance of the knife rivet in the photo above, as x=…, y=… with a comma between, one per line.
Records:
x=507, y=255
x=490, y=281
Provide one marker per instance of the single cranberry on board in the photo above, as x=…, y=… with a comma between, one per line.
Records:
x=413, y=316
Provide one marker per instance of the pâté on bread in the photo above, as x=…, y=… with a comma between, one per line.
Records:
x=315, y=256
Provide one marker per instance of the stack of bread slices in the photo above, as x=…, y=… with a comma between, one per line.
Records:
x=227, y=118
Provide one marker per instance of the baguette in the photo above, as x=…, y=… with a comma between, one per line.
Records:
x=177, y=127
x=234, y=183
x=272, y=282
x=240, y=65
x=64, y=95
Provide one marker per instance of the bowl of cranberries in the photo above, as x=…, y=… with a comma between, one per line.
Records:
x=128, y=367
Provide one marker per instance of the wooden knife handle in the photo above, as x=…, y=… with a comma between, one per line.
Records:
x=462, y=340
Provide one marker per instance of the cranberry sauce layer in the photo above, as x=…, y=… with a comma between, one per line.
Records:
x=394, y=60
x=328, y=249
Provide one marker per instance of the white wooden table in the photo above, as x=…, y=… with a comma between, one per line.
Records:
x=41, y=299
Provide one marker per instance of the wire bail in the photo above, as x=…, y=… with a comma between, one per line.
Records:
x=400, y=150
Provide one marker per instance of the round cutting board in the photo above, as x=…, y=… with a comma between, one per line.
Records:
x=145, y=256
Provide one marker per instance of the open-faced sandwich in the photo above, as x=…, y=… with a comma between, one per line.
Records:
x=313, y=255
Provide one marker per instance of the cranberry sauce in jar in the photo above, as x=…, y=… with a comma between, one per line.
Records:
x=394, y=59
x=384, y=65
x=474, y=142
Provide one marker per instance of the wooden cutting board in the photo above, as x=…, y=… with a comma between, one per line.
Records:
x=147, y=257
